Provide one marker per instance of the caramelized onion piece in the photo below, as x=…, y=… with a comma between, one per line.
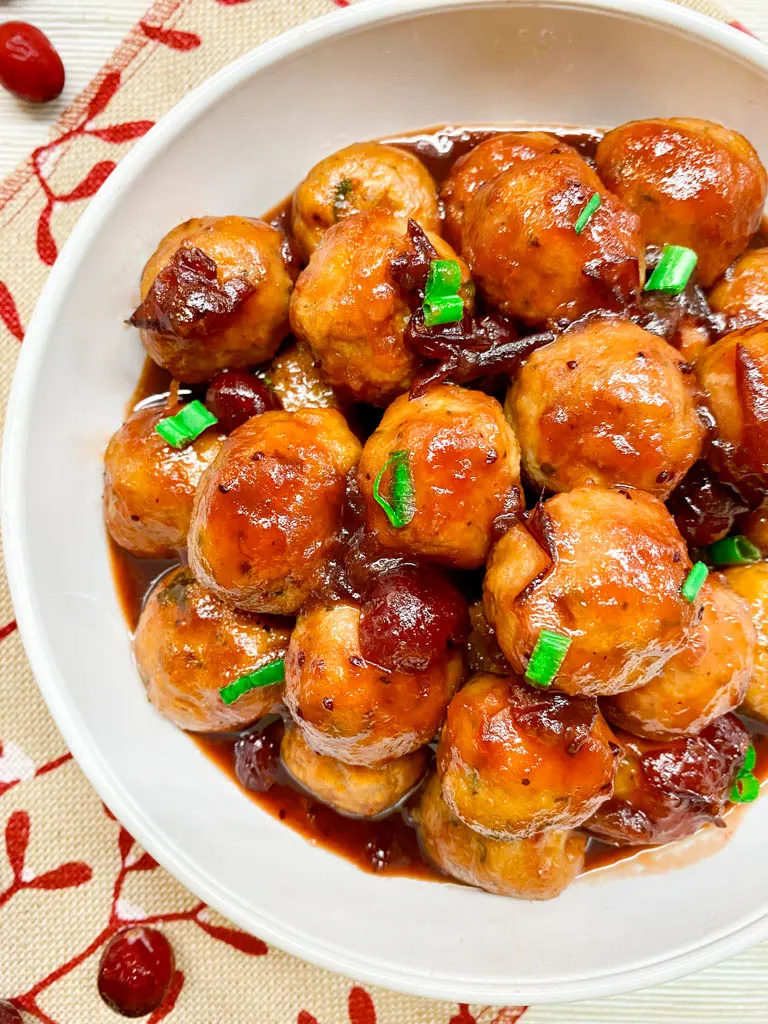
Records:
x=704, y=507
x=411, y=267
x=556, y=720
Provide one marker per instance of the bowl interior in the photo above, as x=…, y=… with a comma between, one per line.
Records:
x=240, y=146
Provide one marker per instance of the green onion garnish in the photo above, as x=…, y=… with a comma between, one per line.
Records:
x=267, y=675
x=442, y=303
x=746, y=789
x=673, y=271
x=547, y=657
x=750, y=760
x=733, y=551
x=588, y=212
x=444, y=309
x=401, y=508
x=186, y=425
x=694, y=581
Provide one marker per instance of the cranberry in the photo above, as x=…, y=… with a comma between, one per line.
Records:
x=9, y=1014
x=257, y=757
x=233, y=396
x=29, y=65
x=135, y=971
x=704, y=508
x=408, y=615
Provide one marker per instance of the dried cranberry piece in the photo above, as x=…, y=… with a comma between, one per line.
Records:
x=704, y=507
x=233, y=396
x=408, y=616
x=257, y=757
x=411, y=268
x=135, y=971
x=30, y=67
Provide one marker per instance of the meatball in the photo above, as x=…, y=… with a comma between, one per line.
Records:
x=149, y=487
x=364, y=176
x=297, y=381
x=464, y=462
x=741, y=296
x=482, y=164
x=751, y=583
x=537, y=868
x=604, y=567
x=348, y=308
x=357, y=790
x=527, y=258
x=705, y=681
x=734, y=375
x=189, y=644
x=268, y=511
x=514, y=761
x=667, y=790
x=754, y=526
x=215, y=295
x=351, y=709
x=693, y=183
x=606, y=403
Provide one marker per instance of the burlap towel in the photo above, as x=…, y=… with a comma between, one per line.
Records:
x=70, y=875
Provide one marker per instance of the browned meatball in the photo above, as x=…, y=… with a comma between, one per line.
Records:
x=754, y=526
x=604, y=567
x=734, y=375
x=364, y=176
x=268, y=511
x=297, y=381
x=741, y=296
x=189, y=644
x=693, y=183
x=214, y=296
x=149, y=487
x=751, y=583
x=482, y=164
x=526, y=256
x=667, y=790
x=353, y=789
x=606, y=403
x=537, y=868
x=349, y=310
x=705, y=681
x=352, y=710
x=515, y=761
x=464, y=462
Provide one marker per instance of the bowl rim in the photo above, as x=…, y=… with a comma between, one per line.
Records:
x=30, y=620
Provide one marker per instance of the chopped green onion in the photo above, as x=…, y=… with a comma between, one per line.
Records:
x=343, y=190
x=694, y=581
x=746, y=789
x=267, y=675
x=547, y=657
x=733, y=551
x=186, y=425
x=444, y=278
x=750, y=760
x=673, y=271
x=401, y=508
x=443, y=309
x=588, y=212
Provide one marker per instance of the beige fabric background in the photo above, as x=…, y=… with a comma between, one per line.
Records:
x=69, y=875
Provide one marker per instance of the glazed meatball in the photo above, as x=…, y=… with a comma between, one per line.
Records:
x=297, y=381
x=514, y=761
x=604, y=567
x=606, y=404
x=537, y=868
x=351, y=709
x=482, y=164
x=268, y=511
x=741, y=296
x=149, y=487
x=754, y=526
x=525, y=255
x=693, y=183
x=705, y=681
x=751, y=583
x=464, y=462
x=734, y=375
x=348, y=308
x=357, y=790
x=215, y=295
x=189, y=644
x=667, y=790
x=364, y=176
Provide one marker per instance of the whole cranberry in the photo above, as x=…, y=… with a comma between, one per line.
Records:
x=233, y=396
x=9, y=1014
x=30, y=67
x=257, y=757
x=135, y=971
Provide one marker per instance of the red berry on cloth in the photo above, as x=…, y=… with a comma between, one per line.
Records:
x=135, y=971
x=29, y=65
x=9, y=1014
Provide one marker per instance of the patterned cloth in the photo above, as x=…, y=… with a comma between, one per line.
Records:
x=71, y=876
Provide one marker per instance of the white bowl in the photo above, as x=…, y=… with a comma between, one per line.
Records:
x=238, y=144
